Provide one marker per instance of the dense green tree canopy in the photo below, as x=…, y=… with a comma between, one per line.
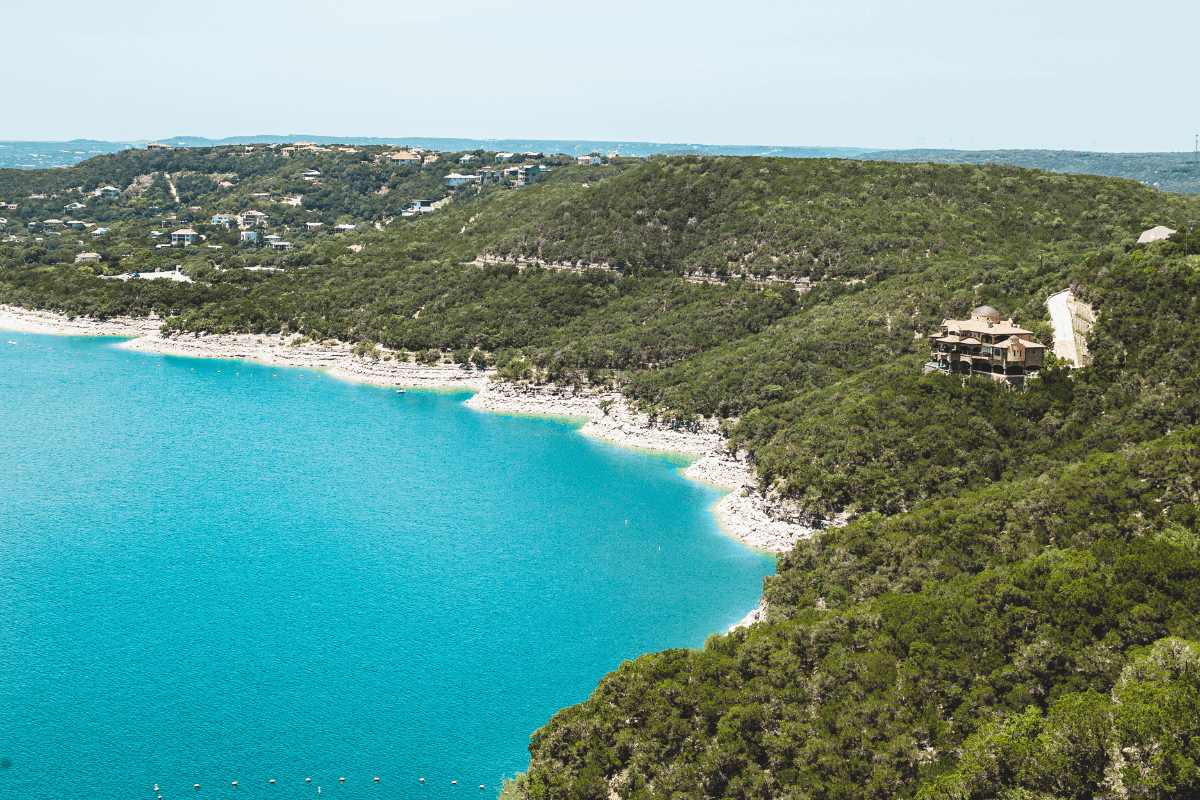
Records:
x=1013, y=609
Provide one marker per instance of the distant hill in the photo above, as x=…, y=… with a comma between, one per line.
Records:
x=1170, y=172
x=39, y=155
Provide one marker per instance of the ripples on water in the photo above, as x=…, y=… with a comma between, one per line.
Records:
x=218, y=571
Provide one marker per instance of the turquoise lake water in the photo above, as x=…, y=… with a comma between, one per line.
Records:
x=216, y=571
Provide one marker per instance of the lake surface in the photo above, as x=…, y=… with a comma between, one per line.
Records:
x=216, y=571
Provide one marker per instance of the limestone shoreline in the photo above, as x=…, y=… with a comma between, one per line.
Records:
x=756, y=519
x=745, y=513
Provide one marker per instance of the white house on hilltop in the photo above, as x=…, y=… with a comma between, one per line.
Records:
x=184, y=236
x=404, y=157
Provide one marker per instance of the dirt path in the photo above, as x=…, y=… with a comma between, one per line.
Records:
x=1069, y=341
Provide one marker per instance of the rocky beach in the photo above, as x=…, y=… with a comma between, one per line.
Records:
x=755, y=518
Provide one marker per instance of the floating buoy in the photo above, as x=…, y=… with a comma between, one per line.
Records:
x=156, y=787
x=422, y=780
x=481, y=786
x=377, y=780
x=272, y=780
x=343, y=780
x=235, y=783
x=454, y=783
x=308, y=780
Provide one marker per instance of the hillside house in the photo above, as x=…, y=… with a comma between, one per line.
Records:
x=159, y=146
x=74, y=207
x=503, y=157
x=52, y=223
x=419, y=207
x=583, y=160
x=227, y=220
x=404, y=157
x=488, y=174
x=312, y=226
x=985, y=345
x=344, y=227
x=184, y=236
x=280, y=245
x=312, y=175
x=252, y=219
x=109, y=191
x=76, y=224
x=455, y=179
x=99, y=232
x=468, y=158
x=87, y=258
x=250, y=236
x=528, y=174
x=272, y=238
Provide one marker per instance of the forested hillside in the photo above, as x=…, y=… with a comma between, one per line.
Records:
x=1170, y=172
x=1034, y=638
x=1017, y=561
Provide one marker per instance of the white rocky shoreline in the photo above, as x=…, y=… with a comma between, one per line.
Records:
x=758, y=520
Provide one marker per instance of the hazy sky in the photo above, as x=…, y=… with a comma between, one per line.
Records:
x=1061, y=75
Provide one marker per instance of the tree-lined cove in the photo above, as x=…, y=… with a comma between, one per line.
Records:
x=1012, y=610
x=218, y=571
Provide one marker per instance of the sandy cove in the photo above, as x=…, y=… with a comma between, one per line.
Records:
x=757, y=520
x=761, y=522
x=336, y=360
